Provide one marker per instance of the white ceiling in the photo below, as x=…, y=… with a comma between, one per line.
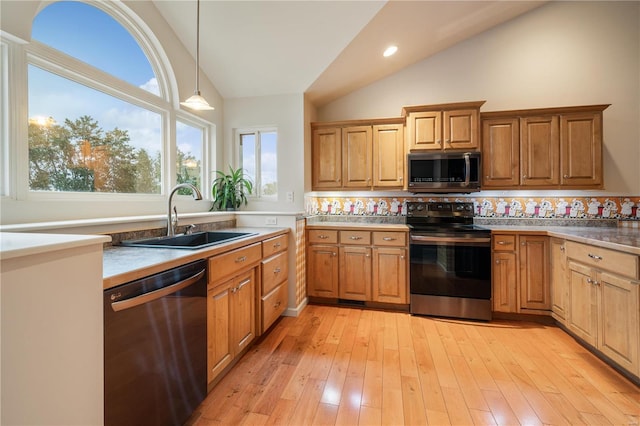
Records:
x=323, y=48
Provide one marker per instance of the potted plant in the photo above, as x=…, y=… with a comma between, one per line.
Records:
x=229, y=190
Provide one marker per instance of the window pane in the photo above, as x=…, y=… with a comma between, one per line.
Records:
x=189, y=156
x=268, y=164
x=83, y=140
x=4, y=120
x=248, y=155
x=87, y=33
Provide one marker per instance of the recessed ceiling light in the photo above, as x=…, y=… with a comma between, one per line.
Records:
x=390, y=51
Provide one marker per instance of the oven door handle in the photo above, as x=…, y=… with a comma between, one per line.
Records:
x=467, y=169
x=421, y=238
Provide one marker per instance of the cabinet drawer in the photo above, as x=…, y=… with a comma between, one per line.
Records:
x=274, y=304
x=323, y=236
x=274, y=245
x=503, y=242
x=621, y=263
x=227, y=264
x=274, y=271
x=396, y=239
x=360, y=238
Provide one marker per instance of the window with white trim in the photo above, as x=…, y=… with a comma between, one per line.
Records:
x=258, y=157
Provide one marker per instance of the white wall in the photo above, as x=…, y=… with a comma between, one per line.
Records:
x=563, y=53
x=285, y=112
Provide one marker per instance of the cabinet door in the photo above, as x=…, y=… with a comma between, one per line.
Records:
x=501, y=152
x=461, y=129
x=322, y=271
x=559, y=280
x=583, y=315
x=389, y=275
x=356, y=157
x=534, y=272
x=581, y=144
x=327, y=158
x=243, y=312
x=618, y=334
x=388, y=156
x=219, y=353
x=504, y=282
x=539, y=151
x=425, y=130
x=355, y=273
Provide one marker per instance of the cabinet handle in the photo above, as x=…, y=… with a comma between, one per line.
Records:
x=277, y=305
x=323, y=237
x=594, y=256
x=243, y=283
x=276, y=245
x=241, y=259
x=503, y=243
x=561, y=248
x=276, y=271
x=388, y=239
x=355, y=237
x=234, y=289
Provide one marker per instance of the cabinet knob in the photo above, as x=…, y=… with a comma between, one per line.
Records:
x=276, y=245
x=276, y=271
x=497, y=262
x=561, y=248
x=486, y=177
x=323, y=237
x=566, y=176
x=241, y=259
x=334, y=254
x=523, y=243
x=277, y=305
x=524, y=176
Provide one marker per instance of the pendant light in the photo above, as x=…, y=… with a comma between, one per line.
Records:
x=196, y=101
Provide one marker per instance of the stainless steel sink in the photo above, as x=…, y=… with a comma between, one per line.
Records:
x=193, y=241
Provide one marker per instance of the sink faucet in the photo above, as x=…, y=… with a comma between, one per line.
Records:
x=171, y=225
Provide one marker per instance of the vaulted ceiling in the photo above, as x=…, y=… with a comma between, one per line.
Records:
x=323, y=48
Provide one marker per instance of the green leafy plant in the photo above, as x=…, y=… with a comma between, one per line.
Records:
x=230, y=190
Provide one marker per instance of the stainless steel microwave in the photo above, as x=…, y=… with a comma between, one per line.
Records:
x=453, y=172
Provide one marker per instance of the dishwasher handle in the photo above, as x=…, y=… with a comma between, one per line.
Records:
x=156, y=294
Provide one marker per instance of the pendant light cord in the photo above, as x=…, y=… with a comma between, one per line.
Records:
x=198, y=48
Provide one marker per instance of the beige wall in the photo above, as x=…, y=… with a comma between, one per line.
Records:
x=285, y=112
x=563, y=53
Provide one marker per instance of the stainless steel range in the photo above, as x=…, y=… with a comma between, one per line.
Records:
x=450, y=261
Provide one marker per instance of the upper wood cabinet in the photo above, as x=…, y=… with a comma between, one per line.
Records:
x=443, y=126
x=362, y=154
x=543, y=148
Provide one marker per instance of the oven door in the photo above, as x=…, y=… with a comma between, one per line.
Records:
x=450, y=266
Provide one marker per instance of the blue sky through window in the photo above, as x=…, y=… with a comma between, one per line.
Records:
x=94, y=37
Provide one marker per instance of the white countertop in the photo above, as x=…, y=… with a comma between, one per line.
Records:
x=19, y=244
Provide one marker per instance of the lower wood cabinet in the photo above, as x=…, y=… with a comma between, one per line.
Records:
x=559, y=280
x=230, y=320
x=358, y=265
x=520, y=273
x=604, y=302
x=274, y=288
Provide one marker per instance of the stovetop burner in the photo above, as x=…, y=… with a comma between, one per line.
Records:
x=441, y=218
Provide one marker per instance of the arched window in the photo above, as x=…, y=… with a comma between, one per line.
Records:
x=100, y=111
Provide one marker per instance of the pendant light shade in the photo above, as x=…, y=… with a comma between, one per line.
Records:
x=197, y=102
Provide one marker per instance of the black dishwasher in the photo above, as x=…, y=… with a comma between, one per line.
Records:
x=155, y=348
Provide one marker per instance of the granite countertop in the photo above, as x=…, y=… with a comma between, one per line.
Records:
x=625, y=239
x=124, y=264
x=360, y=225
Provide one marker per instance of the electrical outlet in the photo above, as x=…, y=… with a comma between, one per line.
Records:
x=271, y=220
x=290, y=197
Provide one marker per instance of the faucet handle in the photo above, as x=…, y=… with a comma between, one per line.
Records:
x=189, y=229
x=174, y=219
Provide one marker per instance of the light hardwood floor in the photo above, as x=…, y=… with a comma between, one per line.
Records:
x=348, y=366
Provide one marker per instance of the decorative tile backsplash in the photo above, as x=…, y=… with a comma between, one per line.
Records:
x=627, y=208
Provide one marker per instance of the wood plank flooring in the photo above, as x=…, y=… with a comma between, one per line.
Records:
x=348, y=366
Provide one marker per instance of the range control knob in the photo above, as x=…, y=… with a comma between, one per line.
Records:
x=420, y=207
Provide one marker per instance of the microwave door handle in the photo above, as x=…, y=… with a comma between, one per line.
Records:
x=467, y=169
